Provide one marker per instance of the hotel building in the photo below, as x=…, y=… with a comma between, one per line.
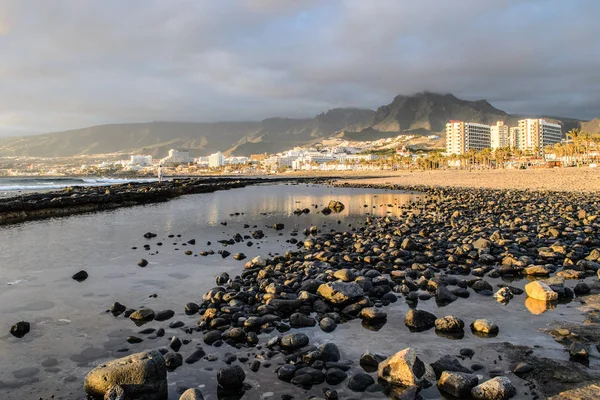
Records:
x=463, y=136
x=537, y=133
x=499, y=135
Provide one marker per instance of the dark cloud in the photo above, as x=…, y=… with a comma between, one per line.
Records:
x=70, y=63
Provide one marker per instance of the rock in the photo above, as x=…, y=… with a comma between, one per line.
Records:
x=370, y=361
x=345, y=275
x=173, y=361
x=299, y=320
x=406, y=369
x=336, y=206
x=581, y=289
x=117, y=308
x=191, y=394
x=164, y=315
x=522, y=368
x=444, y=296
x=286, y=372
x=294, y=341
x=503, y=295
x=142, y=315
x=340, y=292
x=231, y=377
x=360, y=382
x=448, y=363
x=141, y=375
x=458, y=384
x=239, y=256
x=195, y=356
x=540, y=291
x=579, y=351
x=449, y=323
x=20, y=329
x=327, y=324
x=484, y=326
x=329, y=352
x=419, y=320
x=191, y=308
x=498, y=388
x=222, y=279
x=142, y=263
x=80, y=276
x=278, y=227
x=536, y=270
x=373, y=314
x=335, y=376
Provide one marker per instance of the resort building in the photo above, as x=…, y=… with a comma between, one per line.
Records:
x=535, y=134
x=176, y=157
x=513, y=136
x=499, y=135
x=216, y=160
x=142, y=161
x=463, y=136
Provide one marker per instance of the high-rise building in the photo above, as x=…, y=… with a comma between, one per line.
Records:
x=216, y=160
x=499, y=135
x=463, y=136
x=513, y=136
x=535, y=134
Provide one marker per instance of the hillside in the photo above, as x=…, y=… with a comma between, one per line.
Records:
x=422, y=114
x=592, y=126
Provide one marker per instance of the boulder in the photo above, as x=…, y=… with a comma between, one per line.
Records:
x=336, y=206
x=294, y=341
x=142, y=315
x=419, y=320
x=540, y=291
x=405, y=369
x=191, y=394
x=485, y=326
x=498, y=388
x=80, y=276
x=449, y=323
x=340, y=292
x=373, y=314
x=360, y=382
x=20, y=329
x=345, y=275
x=458, y=384
x=141, y=375
x=231, y=377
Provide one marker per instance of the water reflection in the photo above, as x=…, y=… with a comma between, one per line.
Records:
x=537, y=307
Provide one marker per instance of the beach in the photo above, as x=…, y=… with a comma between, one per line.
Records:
x=551, y=179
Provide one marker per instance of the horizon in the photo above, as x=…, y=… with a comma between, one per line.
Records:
x=81, y=65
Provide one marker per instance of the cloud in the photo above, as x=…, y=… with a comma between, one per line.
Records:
x=87, y=63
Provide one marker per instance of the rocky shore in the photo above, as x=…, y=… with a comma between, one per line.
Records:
x=82, y=199
x=445, y=249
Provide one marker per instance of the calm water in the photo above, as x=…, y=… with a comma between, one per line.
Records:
x=68, y=318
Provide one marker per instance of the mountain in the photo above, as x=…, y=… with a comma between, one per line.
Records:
x=420, y=114
x=592, y=126
x=431, y=112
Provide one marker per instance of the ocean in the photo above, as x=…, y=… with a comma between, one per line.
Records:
x=11, y=186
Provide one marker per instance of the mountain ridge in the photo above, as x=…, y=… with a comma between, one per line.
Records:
x=421, y=113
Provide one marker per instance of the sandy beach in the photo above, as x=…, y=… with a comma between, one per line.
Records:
x=558, y=179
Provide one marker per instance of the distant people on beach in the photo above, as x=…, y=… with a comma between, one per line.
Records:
x=160, y=173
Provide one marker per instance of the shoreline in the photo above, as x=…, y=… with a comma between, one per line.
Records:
x=84, y=199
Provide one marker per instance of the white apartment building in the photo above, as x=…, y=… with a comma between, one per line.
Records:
x=216, y=160
x=499, y=135
x=463, y=136
x=142, y=161
x=537, y=134
x=176, y=157
x=513, y=137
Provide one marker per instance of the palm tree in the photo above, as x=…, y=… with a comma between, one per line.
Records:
x=574, y=136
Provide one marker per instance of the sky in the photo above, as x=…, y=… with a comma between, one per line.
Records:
x=68, y=64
